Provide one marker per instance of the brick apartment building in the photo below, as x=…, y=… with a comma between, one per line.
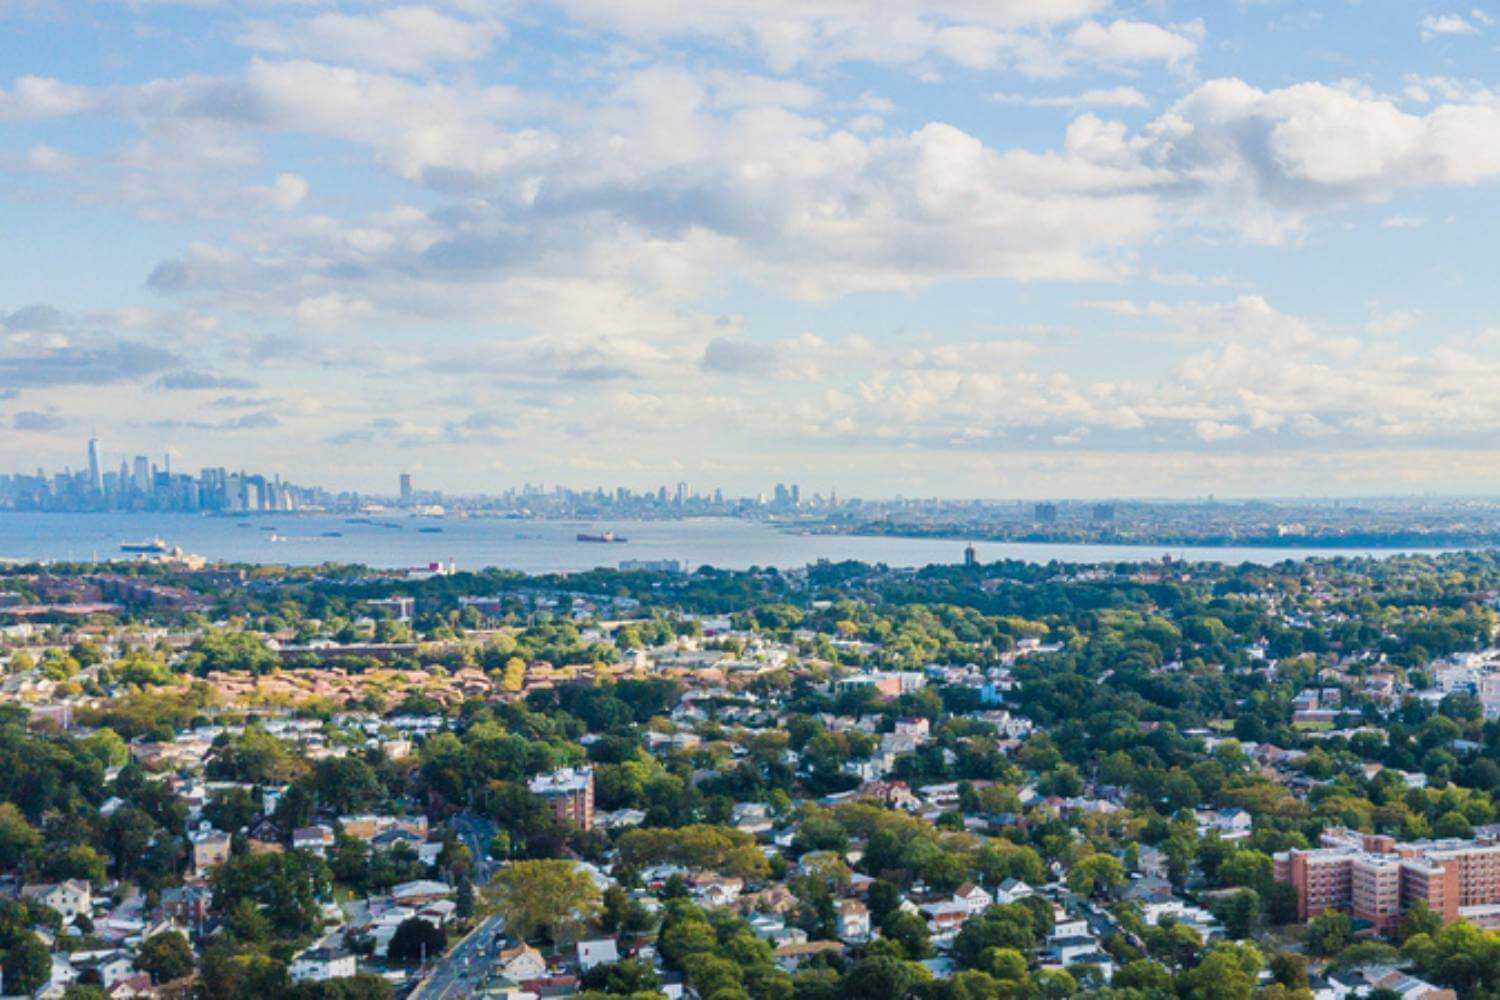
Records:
x=570, y=793
x=1377, y=878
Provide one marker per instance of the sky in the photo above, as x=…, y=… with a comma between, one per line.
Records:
x=968, y=248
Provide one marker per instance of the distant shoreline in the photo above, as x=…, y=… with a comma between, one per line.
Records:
x=543, y=544
x=1394, y=541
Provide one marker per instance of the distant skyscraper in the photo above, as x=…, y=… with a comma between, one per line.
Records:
x=406, y=487
x=142, y=477
x=1045, y=513
x=96, y=480
x=971, y=556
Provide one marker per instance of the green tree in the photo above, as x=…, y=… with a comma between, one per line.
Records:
x=27, y=965
x=285, y=888
x=1097, y=874
x=1329, y=933
x=18, y=838
x=551, y=895
x=909, y=931
x=416, y=940
x=165, y=956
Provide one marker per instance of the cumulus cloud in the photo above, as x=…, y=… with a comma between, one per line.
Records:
x=405, y=39
x=1122, y=42
x=37, y=97
x=738, y=356
x=1110, y=97
x=36, y=422
x=1267, y=160
x=42, y=347
x=1440, y=25
x=521, y=261
x=193, y=379
x=47, y=159
x=285, y=193
x=970, y=33
x=254, y=421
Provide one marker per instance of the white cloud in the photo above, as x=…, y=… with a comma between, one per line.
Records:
x=285, y=193
x=1440, y=25
x=50, y=160
x=1264, y=161
x=405, y=39
x=1109, y=97
x=1123, y=41
x=36, y=97
x=974, y=34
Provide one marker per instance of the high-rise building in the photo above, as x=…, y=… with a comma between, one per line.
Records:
x=570, y=795
x=971, y=556
x=141, y=479
x=96, y=480
x=1045, y=513
x=406, y=487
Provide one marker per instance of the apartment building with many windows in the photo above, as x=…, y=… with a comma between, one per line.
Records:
x=1376, y=878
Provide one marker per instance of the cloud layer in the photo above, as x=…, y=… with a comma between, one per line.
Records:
x=769, y=230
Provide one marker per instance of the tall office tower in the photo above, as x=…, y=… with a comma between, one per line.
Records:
x=142, y=478
x=796, y=495
x=96, y=481
x=783, y=495
x=406, y=487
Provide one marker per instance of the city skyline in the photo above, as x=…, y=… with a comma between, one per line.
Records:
x=97, y=478
x=1083, y=248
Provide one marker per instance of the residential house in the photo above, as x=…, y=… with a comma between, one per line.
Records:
x=324, y=963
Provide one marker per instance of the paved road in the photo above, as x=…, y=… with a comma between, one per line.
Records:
x=462, y=969
x=476, y=832
x=457, y=973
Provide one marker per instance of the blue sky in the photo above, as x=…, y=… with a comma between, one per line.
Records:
x=970, y=248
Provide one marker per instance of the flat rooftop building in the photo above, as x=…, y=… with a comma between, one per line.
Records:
x=570, y=793
x=1376, y=878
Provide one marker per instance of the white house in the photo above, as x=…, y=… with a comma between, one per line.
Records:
x=522, y=963
x=973, y=898
x=319, y=964
x=72, y=898
x=601, y=951
x=853, y=920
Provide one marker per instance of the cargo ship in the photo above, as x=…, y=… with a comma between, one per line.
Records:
x=155, y=547
x=606, y=537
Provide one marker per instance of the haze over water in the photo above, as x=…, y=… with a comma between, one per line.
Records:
x=541, y=546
